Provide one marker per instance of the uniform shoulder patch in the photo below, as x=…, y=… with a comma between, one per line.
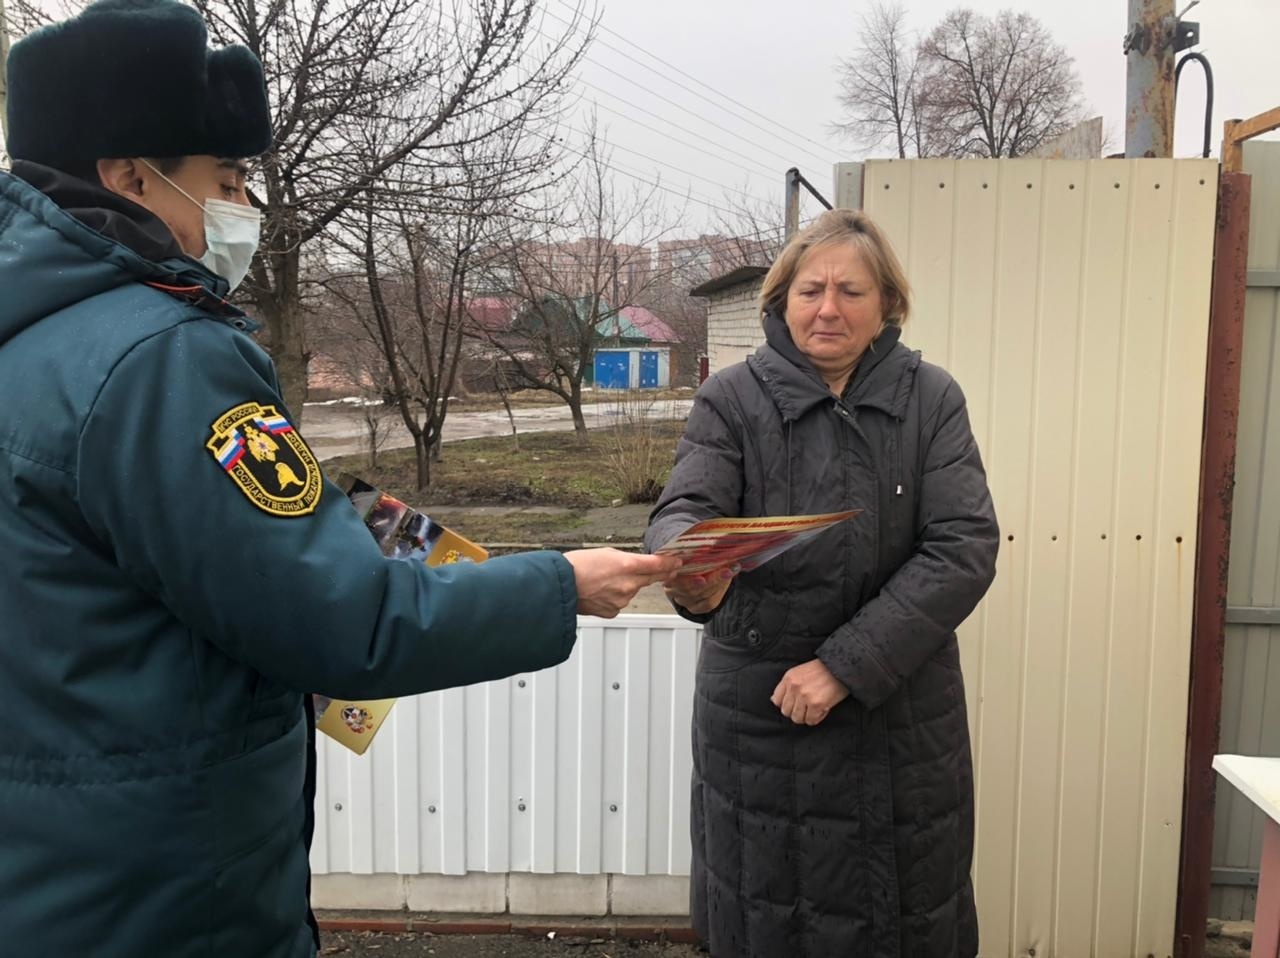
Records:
x=259, y=449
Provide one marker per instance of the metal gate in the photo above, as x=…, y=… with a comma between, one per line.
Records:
x=1071, y=301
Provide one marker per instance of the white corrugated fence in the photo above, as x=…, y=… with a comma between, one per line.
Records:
x=582, y=769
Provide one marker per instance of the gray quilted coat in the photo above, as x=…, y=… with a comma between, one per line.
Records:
x=853, y=837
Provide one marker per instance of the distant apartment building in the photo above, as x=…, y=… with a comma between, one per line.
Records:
x=686, y=263
x=582, y=267
x=619, y=272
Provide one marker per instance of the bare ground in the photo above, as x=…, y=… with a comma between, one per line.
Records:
x=1233, y=943
x=364, y=944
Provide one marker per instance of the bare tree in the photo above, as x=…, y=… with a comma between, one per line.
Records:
x=17, y=19
x=878, y=83
x=408, y=306
x=994, y=86
x=418, y=239
x=753, y=230
x=570, y=294
x=747, y=232
x=438, y=76
x=687, y=317
x=502, y=385
x=975, y=86
x=346, y=342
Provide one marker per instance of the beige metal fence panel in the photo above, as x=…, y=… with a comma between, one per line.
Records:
x=1071, y=300
x=1251, y=669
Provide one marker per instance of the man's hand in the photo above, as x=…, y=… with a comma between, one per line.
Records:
x=702, y=592
x=808, y=693
x=608, y=579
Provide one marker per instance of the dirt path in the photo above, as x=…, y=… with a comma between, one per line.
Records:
x=415, y=945
x=338, y=429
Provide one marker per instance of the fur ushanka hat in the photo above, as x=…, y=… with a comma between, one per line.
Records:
x=132, y=78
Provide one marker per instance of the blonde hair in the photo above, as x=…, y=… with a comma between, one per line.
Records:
x=852, y=227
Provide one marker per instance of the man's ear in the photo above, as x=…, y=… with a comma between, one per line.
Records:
x=124, y=177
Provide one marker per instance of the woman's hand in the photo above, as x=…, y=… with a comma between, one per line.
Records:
x=702, y=592
x=808, y=693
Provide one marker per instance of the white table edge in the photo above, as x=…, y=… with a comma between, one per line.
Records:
x=1242, y=771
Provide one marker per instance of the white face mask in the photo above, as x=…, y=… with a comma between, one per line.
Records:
x=231, y=231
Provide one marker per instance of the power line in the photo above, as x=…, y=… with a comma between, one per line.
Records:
x=631, y=43
x=645, y=156
x=538, y=30
x=782, y=156
x=719, y=126
x=706, y=201
x=825, y=159
x=642, y=178
x=762, y=168
x=679, y=106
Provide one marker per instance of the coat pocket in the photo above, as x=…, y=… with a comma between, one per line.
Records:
x=260, y=862
x=259, y=905
x=730, y=652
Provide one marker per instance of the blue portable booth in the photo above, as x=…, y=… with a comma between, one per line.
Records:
x=632, y=368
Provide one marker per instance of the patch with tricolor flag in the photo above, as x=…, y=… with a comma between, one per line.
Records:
x=263, y=454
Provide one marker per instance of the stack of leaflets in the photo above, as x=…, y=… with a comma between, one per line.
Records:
x=745, y=543
x=401, y=533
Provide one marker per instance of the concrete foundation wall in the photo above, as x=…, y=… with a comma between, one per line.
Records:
x=585, y=896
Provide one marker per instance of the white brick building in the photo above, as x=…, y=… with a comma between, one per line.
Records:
x=733, y=315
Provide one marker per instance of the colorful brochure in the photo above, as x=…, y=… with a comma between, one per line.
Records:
x=745, y=543
x=401, y=533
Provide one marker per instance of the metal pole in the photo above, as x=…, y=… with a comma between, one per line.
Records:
x=4, y=82
x=1149, y=102
x=1213, y=552
x=615, y=282
x=792, y=203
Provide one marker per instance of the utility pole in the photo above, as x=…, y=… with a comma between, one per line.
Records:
x=791, y=205
x=615, y=273
x=1149, y=47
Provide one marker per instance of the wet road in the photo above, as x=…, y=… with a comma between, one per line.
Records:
x=338, y=428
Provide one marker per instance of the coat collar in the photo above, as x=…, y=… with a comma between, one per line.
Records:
x=97, y=232
x=882, y=380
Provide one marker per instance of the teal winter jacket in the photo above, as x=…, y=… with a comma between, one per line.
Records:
x=174, y=575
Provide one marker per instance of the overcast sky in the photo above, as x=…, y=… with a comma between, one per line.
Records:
x=778, y=58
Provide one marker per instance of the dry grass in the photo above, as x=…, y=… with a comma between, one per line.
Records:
x=551, y=469
x=639, y=446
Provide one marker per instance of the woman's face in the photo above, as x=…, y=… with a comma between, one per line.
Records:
x=834, y=307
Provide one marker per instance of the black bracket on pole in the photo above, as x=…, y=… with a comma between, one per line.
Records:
x=1188, y=35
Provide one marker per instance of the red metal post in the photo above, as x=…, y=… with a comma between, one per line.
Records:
x=1217, y=482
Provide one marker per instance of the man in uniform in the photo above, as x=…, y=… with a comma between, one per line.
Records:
x=175, y=573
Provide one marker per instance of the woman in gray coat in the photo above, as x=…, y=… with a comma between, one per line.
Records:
x=832, y=788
